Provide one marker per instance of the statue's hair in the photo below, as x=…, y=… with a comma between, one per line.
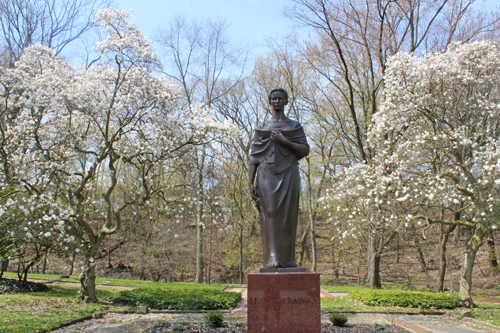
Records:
x=280, y=90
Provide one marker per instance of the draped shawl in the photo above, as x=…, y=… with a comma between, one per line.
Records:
x=284, y=158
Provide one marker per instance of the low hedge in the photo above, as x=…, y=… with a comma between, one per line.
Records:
x=161, y=298
x=410, y=299
x=9, y=286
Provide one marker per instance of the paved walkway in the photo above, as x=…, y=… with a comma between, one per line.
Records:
x=138, y=323
x=323, y=292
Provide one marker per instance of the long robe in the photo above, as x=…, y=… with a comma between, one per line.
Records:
x=278, y=186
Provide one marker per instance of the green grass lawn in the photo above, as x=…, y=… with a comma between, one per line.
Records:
x=119, y=282
x=487, y=312
x=27, y=313
x=337, y=289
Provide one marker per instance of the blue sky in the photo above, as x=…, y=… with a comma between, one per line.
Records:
x=252, y=21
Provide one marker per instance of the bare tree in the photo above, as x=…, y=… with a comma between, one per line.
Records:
x=354, y=40
x=207, y=66
x=52, y=23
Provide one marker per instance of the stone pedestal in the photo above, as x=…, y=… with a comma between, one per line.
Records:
x=283, y=302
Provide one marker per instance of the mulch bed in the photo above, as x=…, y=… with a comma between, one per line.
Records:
x=240, y=328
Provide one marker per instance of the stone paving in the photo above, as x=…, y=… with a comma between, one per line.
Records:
x=441, y=324
x=138, y=323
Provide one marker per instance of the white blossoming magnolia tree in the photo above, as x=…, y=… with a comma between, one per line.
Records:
x=87, y=134
x=31, y=226
x=363, y=207
x=437, y=137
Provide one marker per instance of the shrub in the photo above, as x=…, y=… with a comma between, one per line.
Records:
x=398, y=286
x=214, y=319
x=338, y=319
x=162, y=298
x=411, y=299
x=177, y=328
x=8, y=286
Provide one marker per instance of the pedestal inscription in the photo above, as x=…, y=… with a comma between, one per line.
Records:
x=283, y=302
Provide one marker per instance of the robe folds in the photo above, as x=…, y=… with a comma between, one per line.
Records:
x=278, y=186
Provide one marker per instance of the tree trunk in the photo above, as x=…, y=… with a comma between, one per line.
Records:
x=452, y=289
x=303, y=246
x=109, y=257
x=240, y=267
x=311, y=217
x=87, y=283
x=199, y=224
x=313, y=244
x=44, y=265
x=372, y=279
x=199, y=254
x=472, y=246
x=209, y=262
x=335, y=263
x=19, y=275
x=397, y=251
x=456, y=236
x=444, y=236
x=27, y=268
x=5, y=265
x=86, y=293
x=372, y=276
x=72, y=264
x=421, y=256
x=492, y=254
x=422, y=260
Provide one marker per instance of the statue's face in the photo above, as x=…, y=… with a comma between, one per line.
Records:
x=278, y=100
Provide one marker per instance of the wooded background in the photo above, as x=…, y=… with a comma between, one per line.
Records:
x=181, y=211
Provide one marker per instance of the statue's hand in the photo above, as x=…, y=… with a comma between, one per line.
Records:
x=253, y=192
x=278, y=137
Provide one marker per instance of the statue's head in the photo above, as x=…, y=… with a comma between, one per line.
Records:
x=280, y=90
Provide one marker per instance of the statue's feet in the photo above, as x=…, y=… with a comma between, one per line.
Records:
x=291, y=264
x=273, y=262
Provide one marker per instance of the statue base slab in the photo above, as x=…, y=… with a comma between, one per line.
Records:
x=283, y=303
x=283, y=270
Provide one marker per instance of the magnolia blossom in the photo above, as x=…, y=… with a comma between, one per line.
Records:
x=100, y=136
x=436, y=142
x=435, y=138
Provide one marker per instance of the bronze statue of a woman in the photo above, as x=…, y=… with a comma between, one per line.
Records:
x=278, y=144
